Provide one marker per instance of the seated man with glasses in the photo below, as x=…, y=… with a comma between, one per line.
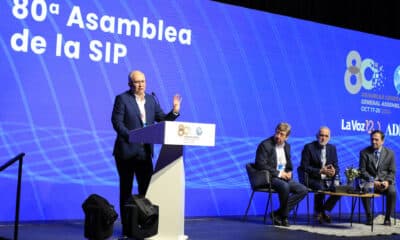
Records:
x=319, y=162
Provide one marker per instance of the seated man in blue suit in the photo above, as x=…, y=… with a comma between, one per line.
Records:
x=135, y=109
x=377, y=161
x=273, y=155
x=319, y=161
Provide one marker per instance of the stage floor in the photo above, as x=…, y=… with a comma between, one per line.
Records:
x=222, y=228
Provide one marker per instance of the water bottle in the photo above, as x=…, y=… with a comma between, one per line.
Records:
x=336, y=181
x=370, y=185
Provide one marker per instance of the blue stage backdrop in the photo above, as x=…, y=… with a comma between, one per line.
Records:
x=63, y=62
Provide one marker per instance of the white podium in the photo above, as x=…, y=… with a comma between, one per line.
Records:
x=167, y=185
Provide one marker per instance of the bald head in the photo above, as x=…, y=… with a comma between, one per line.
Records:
x=323, y=135
x=137, y=82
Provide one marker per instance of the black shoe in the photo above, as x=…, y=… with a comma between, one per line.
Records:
x=387, y=222
x=285, y=222
x=326, y=218
x=276, y=219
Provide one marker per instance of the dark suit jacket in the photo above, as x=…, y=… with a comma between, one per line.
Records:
x=311, y=159
x=126, y=117
x=266, y=157
x=386, y=169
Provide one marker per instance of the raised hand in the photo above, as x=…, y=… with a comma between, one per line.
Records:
x=177, y=103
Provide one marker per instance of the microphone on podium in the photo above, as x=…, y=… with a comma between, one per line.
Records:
x=155, y=98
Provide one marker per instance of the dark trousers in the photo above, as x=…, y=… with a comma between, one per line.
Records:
x=319, y=198
x=290, y=194
x=142, y=166
x=390, y=202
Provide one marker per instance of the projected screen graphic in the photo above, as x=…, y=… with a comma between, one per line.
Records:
x=63, y=62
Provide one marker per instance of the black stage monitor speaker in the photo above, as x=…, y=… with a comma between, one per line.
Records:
x=142, y=217
x=99, y=217
x=147, y=212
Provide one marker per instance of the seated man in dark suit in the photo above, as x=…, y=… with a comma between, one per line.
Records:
x=378, y=162
x=319, y=161
x=273, y=155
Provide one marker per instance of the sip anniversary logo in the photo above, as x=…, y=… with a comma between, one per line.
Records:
x=366, y=77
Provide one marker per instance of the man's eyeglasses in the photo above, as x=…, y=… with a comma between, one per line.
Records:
x=323, y=135
x=138, y=82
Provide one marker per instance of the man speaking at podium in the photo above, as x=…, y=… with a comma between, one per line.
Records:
x=135, y=109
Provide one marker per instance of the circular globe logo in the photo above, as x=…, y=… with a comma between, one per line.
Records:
x=199, y=131
x=397, y=79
